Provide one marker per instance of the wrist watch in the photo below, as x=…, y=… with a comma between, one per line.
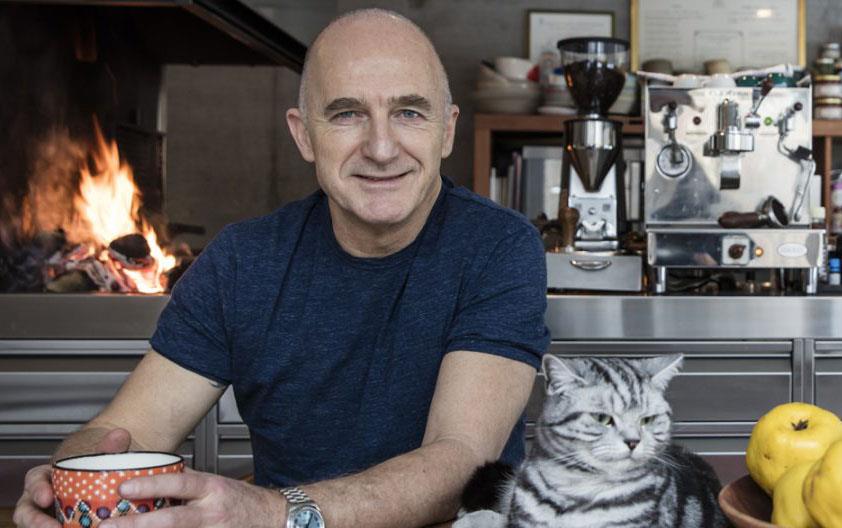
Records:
x=302, y=512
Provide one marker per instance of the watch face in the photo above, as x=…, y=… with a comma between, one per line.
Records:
x=307, y=517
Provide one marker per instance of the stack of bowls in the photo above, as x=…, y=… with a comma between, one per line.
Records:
x=505, y=88
x=827, y=86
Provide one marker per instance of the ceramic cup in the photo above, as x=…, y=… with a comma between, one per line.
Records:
x=719, y=80
x=86, y=487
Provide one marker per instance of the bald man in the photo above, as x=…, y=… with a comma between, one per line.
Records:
x=381, y=335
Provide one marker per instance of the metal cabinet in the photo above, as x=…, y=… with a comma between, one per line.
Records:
x=49, y=389
x=828, y=367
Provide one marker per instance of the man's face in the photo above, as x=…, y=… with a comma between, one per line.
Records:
x=377, y=128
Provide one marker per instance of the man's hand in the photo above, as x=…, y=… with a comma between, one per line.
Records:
x=210, y=501
x=38, y=491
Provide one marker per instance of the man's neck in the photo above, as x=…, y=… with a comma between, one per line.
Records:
x=374, y=241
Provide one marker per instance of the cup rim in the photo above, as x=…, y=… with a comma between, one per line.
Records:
x=178, y=459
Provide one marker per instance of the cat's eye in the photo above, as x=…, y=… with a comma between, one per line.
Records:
x=604, y=419
x=646, y=420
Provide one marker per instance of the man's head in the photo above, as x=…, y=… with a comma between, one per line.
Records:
x=375, y=116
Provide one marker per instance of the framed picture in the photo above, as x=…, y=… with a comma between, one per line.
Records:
x=748, y=34
x=546, y=28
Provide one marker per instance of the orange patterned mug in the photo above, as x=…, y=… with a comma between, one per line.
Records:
x=86, y=487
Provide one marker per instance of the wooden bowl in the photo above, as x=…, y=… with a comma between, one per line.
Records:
x=746, y=504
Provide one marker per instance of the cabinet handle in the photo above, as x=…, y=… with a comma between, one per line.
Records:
x=590, y=265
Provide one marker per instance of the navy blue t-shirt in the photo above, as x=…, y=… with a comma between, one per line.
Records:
x=334, y=358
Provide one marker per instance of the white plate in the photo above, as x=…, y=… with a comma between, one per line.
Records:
x=556, y=110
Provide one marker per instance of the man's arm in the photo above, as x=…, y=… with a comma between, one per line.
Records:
x=159, y=404
x=478, y=399
x=155, y=409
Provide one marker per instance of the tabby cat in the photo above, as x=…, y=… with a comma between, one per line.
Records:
x=602, y=457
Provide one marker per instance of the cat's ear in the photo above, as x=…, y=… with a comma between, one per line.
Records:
x=662, y=369
x=558, y=374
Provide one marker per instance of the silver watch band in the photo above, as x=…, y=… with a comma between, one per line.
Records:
x=295, y=495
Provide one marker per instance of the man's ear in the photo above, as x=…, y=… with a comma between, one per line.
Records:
x=295, y=122
x=451, y=114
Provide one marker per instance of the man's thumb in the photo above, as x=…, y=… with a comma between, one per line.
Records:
x=115, y=441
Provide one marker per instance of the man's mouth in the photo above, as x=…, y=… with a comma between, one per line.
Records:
x=381, y=178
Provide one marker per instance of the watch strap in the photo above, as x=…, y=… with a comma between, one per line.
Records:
x=295, y=495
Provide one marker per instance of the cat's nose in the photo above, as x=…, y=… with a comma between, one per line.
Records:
x=632, y=444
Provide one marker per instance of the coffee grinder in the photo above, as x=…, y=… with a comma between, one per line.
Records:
x=583, y=245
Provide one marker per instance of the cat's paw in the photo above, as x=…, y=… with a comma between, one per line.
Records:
x=481, y=519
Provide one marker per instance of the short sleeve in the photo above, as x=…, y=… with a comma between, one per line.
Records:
x=502, y=309
x=192, y=330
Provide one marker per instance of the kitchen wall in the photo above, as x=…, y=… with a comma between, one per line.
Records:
x=230, y=155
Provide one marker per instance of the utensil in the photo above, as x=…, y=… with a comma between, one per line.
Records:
x=771, y=214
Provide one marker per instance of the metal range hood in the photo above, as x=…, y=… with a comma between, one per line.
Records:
x=180, y=31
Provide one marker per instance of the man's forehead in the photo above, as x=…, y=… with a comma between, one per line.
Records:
x=377, y=80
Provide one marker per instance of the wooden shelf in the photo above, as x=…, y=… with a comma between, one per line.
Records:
x=487, y=125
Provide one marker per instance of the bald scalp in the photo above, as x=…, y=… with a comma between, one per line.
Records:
x=393, y=22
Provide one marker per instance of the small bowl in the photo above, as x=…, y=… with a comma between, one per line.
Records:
x=514, y=68
x=688, y=80
x=86, y=487
x=719, y=80
x=746, y=505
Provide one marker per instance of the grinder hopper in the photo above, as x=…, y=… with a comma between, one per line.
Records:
x=594, y=69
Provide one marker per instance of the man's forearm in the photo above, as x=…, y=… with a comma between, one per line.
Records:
x=415, y=489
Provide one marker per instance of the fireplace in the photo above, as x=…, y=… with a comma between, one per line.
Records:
x=83, y=134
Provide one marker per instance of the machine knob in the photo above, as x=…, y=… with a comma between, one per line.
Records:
x=798, y=106
x=736, y=251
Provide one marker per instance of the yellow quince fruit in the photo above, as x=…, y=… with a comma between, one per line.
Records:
x=787, y=435
x=788, y=507
x=822, y=490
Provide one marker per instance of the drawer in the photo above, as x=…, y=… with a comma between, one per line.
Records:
x=228, y=412
x=726, y=454
x=56, y=397
x=712, y=386
x=829, y=381
x=235, y=458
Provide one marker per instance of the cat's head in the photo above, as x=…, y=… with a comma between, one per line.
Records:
x=606, y=413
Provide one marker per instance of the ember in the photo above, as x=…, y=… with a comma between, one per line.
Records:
x=81, y=226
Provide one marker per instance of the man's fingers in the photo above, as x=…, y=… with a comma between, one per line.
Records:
x=37, y=485
x=115, y=441
x=28, y=516
x=174, y=517
x=175, y=486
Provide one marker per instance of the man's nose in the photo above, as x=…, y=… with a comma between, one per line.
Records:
x=381, y=145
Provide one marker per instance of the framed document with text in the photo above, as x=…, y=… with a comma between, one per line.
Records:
x=546, y=28
x=746, y=33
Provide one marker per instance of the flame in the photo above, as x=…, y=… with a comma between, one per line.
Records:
x=107, y=207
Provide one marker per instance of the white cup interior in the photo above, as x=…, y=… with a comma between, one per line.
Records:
x=118, y=461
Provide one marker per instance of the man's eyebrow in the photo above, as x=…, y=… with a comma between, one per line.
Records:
x=413, y=100
x=343, y=103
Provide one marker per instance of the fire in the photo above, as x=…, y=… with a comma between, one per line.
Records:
x=105, y=208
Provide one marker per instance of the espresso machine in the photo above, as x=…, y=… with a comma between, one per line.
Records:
x=583, y=244
x=727, y=184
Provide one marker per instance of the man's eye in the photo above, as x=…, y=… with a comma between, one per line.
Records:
x=409, y=114
x=348, y=114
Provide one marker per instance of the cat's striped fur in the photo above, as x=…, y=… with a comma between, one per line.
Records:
x=602, y=455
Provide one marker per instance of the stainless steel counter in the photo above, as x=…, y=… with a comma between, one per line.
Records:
x=570, y=317
x=591, y=317
x=79, y=316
